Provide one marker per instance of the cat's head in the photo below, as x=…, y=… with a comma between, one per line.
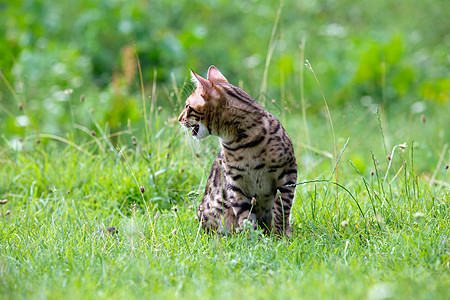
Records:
x=202, y=103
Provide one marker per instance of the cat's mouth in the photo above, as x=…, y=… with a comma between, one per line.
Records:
x=195, y=129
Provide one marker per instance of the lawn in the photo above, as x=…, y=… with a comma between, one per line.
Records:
x=373, y=236
x=99, y=184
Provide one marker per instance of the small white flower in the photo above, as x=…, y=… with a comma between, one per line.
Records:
x=419, y=215
x=308, y=65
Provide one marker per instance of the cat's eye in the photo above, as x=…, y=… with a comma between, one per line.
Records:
x=187, y=105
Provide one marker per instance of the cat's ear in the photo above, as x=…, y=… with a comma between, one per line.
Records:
x=206, y=85
x=215, y=76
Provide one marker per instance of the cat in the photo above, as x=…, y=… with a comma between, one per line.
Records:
x=251, y=179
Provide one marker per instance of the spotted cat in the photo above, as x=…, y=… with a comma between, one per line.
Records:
x=251, y=178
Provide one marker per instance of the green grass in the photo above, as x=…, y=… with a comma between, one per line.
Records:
x=374, y=239
x=364, y=226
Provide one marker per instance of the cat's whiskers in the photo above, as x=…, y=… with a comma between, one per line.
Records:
x=188, y=133
x=187, y=129
x=181, y=130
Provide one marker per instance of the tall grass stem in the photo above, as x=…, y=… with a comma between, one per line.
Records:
x=271, y=48
x=147, y=135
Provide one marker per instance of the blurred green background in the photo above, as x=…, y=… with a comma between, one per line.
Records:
x=369, y=56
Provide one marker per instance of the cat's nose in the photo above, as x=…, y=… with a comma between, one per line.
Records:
x=180, y=117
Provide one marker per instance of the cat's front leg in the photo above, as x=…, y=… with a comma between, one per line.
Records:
x=242, y=209
x=281, y=215
x=283, y=202
x=205, y=215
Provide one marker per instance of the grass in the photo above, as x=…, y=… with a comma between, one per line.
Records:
x=384, y=235
x=379, y=231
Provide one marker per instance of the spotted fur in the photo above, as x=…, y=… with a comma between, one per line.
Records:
x=252, y=176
